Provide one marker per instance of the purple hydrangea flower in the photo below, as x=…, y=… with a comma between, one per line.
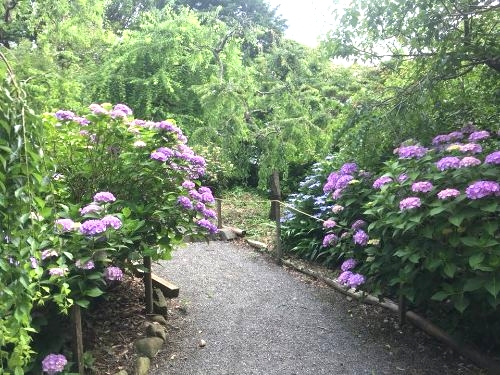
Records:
x=113, y=274
x=209, y=214
x=88, y=265
x=330, y=182
x=337, y=193
x=93, y=227
x=493, y=158
x=448, y=162
x=195, y=194
x=207, y=197
x=410, y=203
x=117, y=113
x=168, y=152
x=111, y=221
x=64, y=115
x=185, y=202
x=207, y=224
x=479, y=135
x=345, y=235
x=64, y=225
x=402, y=177
x=123, y=108
x=455, y=136
x=330, y=239
x=448, y=193
x=97, y=109
x=411, y=152
x=54, y=363
x=381, y=181
x=358, y=224
x=344, y=277
x=329, y=223
x=481, y=189
x=81, y=120
x=473, y=148
x=188, y=185
x=421, y=187
x=57, y=271
x=160, y=156
x=34, y=262
x=200, y=207
x=469, y=161
x=337, y=208
x=49, y=253
x=360, y=238
x=442, y=138
x=355, y=280
x=348, y=168
x=348, y=264
x=104, y=196
x=343, y=181
x=91, y=208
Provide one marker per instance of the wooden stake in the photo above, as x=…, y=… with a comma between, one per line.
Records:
x=219, y=213
x=76, y=320
x=402, y=310
x=148, y=285
x=278, y=252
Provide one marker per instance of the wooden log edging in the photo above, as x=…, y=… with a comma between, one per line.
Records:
x=418, y=321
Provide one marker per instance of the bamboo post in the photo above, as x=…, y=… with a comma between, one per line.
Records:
x=148, y=285
x=76, y=320
x=219, y=213
x=402, y=310
x=278, y=249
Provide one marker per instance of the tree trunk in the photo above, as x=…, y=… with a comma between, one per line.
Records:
x=275, y=194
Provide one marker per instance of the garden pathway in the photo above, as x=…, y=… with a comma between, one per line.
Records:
x=258, y=318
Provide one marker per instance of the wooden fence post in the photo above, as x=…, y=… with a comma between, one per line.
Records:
x=219, y=213
x=402, y=309
x=148, y=285
x=76, y=322
x=278, y=249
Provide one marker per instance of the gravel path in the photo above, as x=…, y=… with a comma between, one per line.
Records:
x=257, y=318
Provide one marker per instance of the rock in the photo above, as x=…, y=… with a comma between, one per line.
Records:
x=202, y=343
x=148, y=346
x=226, y=234
x=160, y=305
x=156, y=330
x=122, y=372
x=142, y=365
x=158, y=319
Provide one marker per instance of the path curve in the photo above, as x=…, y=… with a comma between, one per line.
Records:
x=257, y=318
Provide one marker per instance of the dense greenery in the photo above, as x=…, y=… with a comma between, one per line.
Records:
x=253, y=104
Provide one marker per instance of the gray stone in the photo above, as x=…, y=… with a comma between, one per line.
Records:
x=148, y=346
x=122, y=372
x=142, y=365
x=226, y=234
x=160, y=304
x=156, y=330
x=158, y=319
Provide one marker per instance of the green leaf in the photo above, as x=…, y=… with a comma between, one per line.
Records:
x=461, y=303
x=94, y=292
x=83, y=303
x=456, y=220
x=450, y=269
x=440, y=296
x=473, y=284
x=437, y=210
x=475, y=260
x=493, y=287
x=492, y=207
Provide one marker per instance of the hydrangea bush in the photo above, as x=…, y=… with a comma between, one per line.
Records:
x=147, y=165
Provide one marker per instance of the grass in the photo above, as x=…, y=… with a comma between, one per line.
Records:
x=248, y=210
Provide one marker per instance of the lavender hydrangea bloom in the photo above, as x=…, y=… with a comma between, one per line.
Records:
x=207, y=197
x=330, y=182
x=64, y=115
x=168, y=152
x=358, y=224
x=481, y=189
x=81, y=120
x=168, y=126
x=469, y=161
x=92, y=227
x=54, y=363
x=402, y=177
x=442, y=138
x=88, y=265
x=111, y=221
x=348, y=264
x=355, y=280
x=329, y=223
x=34, y=262
x=337, y=208
x=330, y=239
x=104, y=196
x=421, y=187
x=344, y=277
x=411, y=152
x=160, y=156
x=343, y=181
x=348, y=168
x=473, y=148
x=97, y=109
x=448, y=162
x=455, y=136
x=337, y=193
x=57, y=271
x=360, y=238
x=195, y=194
x=479, y=135
x=188, y=185
x=204, y=223
x=123, y=108
x=113, y=274
x=381, y=181
x=448, y=193
x=91, y=208
x=209, y=214
x=49, y=253
x=409, y=203
x=185, y=202
x=64, y=225
x=200, y=207
x=493, y=158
